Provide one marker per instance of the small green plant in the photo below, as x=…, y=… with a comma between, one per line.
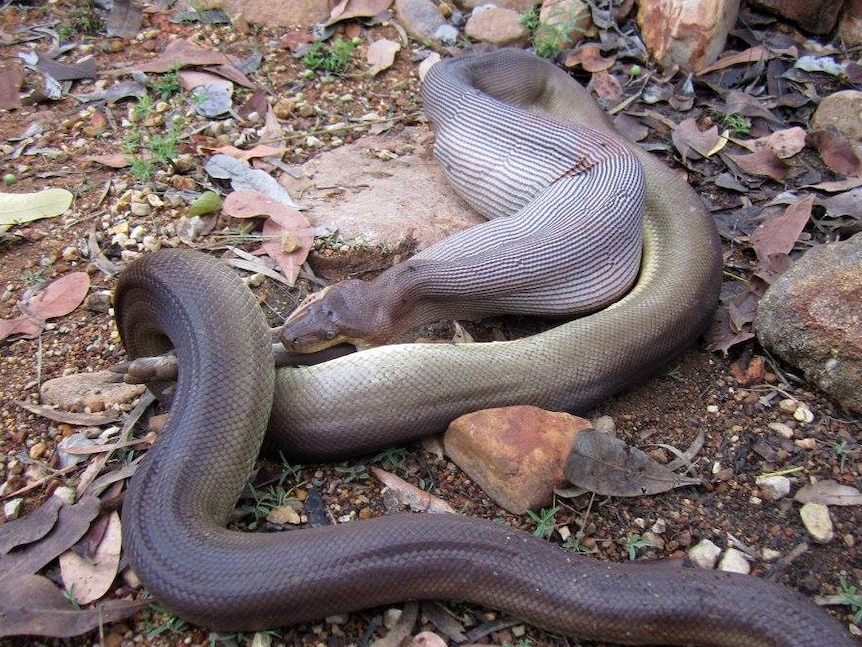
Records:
x=330, y=58
x=82, y=20
x=169, y=622
x=736, y=124
x=544, y=520
x=530, y=19
x=842, y=450
x=143, y=108
x=551, y=35
x=150, y=151
x=393, y=459
x=353, y=473
x=167, y=85
x=675, y=373
x=72, y=598
x=264, y=501
x=852, y=597
x=521, y=642
x=632, y=542
x=573, y=543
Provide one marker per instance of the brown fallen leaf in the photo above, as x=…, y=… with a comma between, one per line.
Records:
x=410, y=495
x=762, y=162
x=778, y=235
x=837, y=152
x=606, y=86
x=287, y=235
x=750, y=374
x=607, y=466
x=750, y=55
x=261, y=150
x=589, y=56
x=687, y=137
x=72, y=522
x=381, y=55
x=829, y=492
x=90, y=578
x=33, y=527
x=784, y=143
x=191, y=79
x=31, y=605
x=182, y=53
x=347, y=9
x=56, y=299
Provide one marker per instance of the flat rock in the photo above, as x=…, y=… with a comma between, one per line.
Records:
x=734, y=561
x=380, y=198
x=515, y=454
x=850, y=27
x=810, y=317
x=516, y=5
x=91, y=391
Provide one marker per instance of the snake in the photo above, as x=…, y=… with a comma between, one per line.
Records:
x=231, y=401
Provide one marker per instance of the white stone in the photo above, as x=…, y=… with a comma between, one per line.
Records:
x=734, y=561
x=818, y=523
x=704, y=554
x=777, y=485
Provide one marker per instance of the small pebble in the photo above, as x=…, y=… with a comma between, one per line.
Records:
x=12, y=508
x=704, y=554
x=778, y=486
x=818, y=523
x=781, y=429
x=734, y=561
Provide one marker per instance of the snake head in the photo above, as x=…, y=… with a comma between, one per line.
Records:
x=338, y=314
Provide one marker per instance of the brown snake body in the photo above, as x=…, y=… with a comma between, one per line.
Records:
x=179, y=501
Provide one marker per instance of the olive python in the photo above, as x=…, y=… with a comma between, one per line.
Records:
x=228, y=392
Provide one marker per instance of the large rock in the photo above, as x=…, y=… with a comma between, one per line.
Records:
x=496, y=26
x=687, y=33
x=811, y=317
x=381, y=189
x=562, y=24
x=421, y=18
x=850, y=28
x=815, y=16
x=515, y=454
x=841, y=111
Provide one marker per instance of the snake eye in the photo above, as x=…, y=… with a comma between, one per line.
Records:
x=330, y=334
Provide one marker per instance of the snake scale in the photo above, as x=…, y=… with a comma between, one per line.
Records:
x=180, y=499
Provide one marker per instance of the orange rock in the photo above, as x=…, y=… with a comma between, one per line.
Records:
x=687, y=33
x=515, y=454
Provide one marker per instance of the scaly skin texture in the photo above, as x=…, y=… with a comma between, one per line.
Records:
x=181, y=497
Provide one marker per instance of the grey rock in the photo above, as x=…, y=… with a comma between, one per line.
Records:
x=811, y=317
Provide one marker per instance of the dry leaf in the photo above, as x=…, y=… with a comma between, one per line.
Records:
x=762, y=162
x=182, y=53
x=381, y=55
x=56, y=299
x=33, y=527
x=687, y=137
x=10, y=87
x=410, y=495
x=829, y=493
x=778, y=235
x=837, y=152
x=751, y=55
x=91, y=578
x=607, y=466
x=589, y=56
x=606, y=86
x=72, y=522
x=261, y=150
x=31, y=605
x=784, y=143
x=347, y=9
